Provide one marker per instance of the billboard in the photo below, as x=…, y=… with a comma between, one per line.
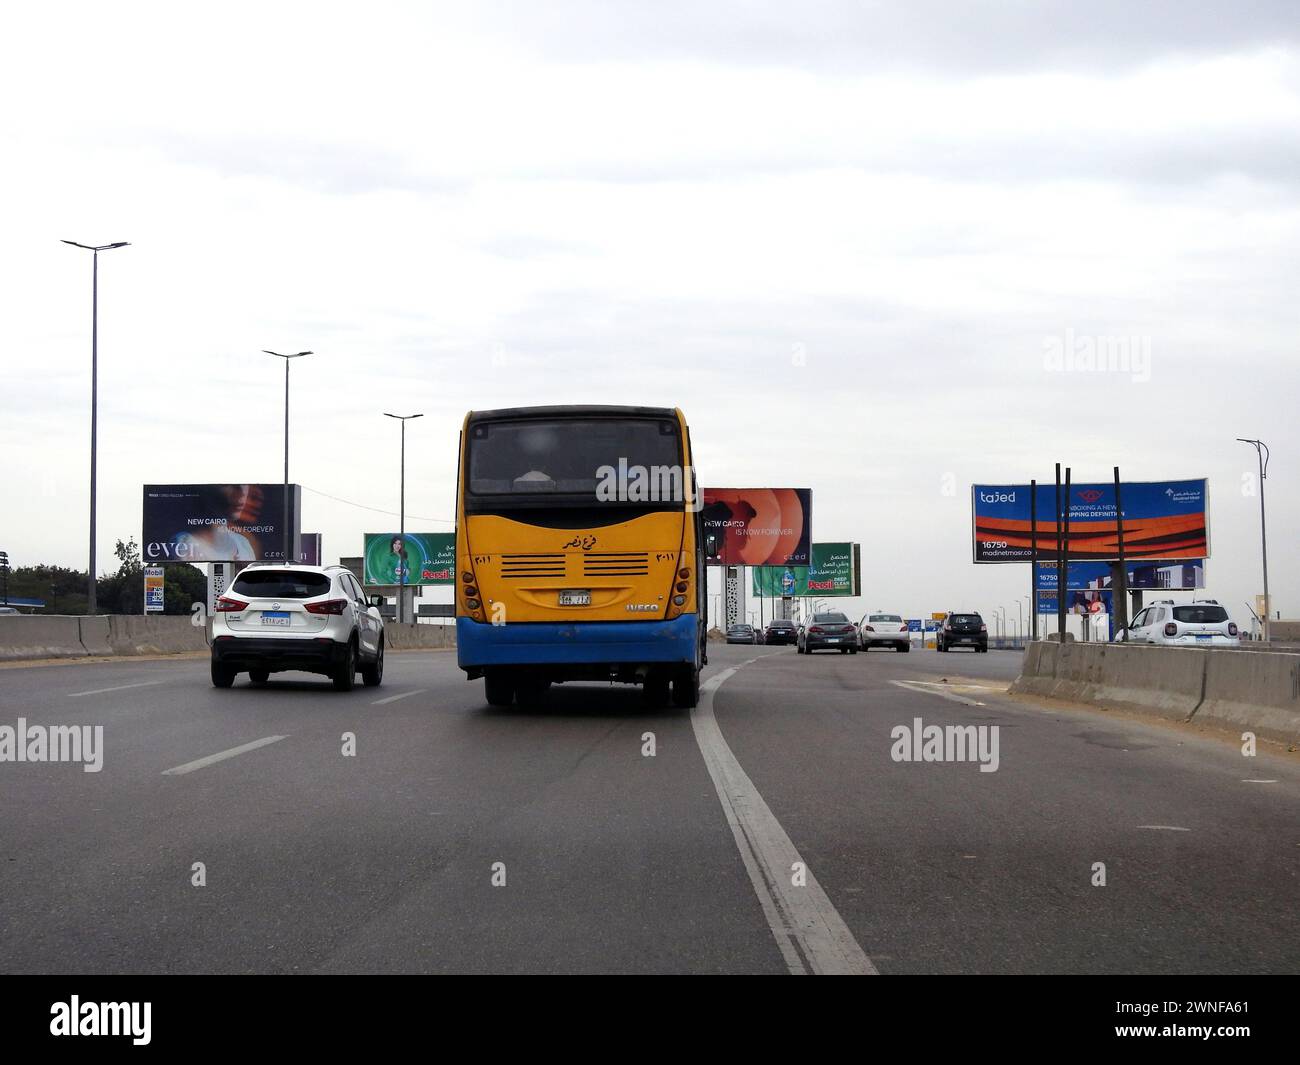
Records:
x=426, y=558
x=309, y=549
x=153, y=589
x=758, y=526
x=1162, y=520
x=217, y=522
x=835, y=570
x=1077, y=602
x=1166, y=574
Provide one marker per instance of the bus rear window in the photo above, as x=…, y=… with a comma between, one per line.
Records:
x=571, y=456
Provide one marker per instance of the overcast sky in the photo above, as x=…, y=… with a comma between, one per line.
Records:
x=842, y=237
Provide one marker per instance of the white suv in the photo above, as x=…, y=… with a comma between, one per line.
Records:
x=1201, y=624
x=313, y=618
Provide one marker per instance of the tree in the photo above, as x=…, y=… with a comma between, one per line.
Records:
x=128, y=554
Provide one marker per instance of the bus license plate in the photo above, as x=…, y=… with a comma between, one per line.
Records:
x=575, y=597
x=273, y=617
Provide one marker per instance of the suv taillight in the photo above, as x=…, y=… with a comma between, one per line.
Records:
x=902, y=628
x=984, y=628
x=1171, y=628
x=330, y=606
x=1232, y=628
x=225, y=603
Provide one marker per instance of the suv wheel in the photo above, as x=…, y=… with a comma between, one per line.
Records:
x=222, y=676
x=345, y=675
x=373, y=674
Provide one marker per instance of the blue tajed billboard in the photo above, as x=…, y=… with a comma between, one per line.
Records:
x=1162, y=520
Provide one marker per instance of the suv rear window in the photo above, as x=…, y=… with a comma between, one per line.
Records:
x=281, y=584
x=965, y=619
x=1200, y=614
x=780, y=623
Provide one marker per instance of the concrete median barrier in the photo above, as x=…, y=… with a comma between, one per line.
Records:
x=412, y=637
x=1228, y=689
x=1255, y=692
x=36, y=636
x=139, y=635
x=94, y=635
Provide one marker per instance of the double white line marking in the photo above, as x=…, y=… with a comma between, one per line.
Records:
x=809, y=931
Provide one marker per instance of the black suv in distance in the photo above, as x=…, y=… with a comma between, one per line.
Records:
x=779, y=630
x=962, y=630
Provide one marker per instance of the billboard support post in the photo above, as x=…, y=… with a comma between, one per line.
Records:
x=1063, y=571
x=1261, y=452
x=1120, y=580
x=1056, y=528
x=1033, y=548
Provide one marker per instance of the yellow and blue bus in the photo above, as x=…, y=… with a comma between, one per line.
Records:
x=579, y=552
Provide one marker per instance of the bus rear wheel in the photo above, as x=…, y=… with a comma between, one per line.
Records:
x=655, y=688
x=531, y=691
x=686, y=687
x=499, y=688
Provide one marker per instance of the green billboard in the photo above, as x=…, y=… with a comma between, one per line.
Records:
x=425, y=558
x=835, y=570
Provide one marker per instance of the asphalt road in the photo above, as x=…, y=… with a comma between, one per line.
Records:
x=615, y=861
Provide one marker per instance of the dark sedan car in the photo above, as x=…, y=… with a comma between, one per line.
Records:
x=780, y=630
x=741, y=634
x=830, y=631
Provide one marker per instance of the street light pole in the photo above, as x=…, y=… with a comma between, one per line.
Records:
x=286, y=358
x=92, y=605
x=1261, y=452
x=401, y=570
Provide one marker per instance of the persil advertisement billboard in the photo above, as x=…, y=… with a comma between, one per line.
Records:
x=758, y=526
x=1165, y=520
x=217, y=522
x=415, y=558
x=835, y=570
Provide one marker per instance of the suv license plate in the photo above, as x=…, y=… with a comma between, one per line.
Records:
x=575, y=597
x=278, y=618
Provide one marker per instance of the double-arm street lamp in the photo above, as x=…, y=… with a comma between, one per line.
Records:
x=401, y=568
x=91, y=604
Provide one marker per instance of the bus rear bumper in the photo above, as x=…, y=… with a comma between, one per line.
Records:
x=479, y=644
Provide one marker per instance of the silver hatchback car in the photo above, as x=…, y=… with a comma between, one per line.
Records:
x=311, y=618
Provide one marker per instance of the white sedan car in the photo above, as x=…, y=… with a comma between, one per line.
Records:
x=884, y=630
